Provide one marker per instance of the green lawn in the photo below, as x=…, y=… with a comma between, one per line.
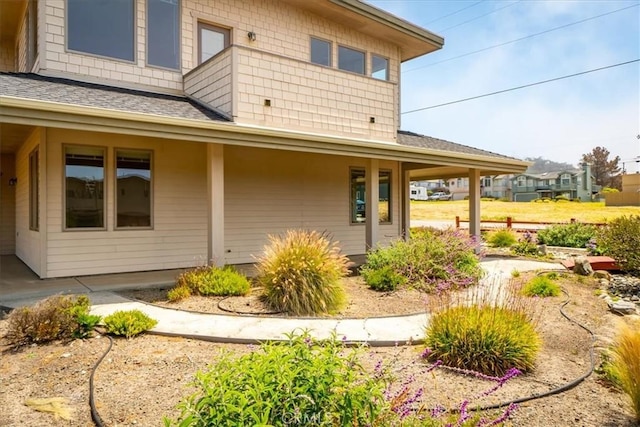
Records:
x=496, y=210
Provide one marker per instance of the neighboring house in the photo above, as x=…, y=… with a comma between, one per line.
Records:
x=228, y=120
x=573, y=184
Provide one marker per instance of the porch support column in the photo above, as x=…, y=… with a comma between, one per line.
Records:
x=215, y=189
x=474, y=203
x=405, y=200
x=372, y=190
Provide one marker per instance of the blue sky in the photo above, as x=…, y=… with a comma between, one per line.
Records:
x=560, y=120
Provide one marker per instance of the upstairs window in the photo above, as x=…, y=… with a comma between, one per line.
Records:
x=522, y=181
x=320, y=52
x=84, y=187
x=32, y=31
x=350, y=60
x=102, y=27
x=163, y=33
x=565, y=179
x=211, y=41
x=379, y=67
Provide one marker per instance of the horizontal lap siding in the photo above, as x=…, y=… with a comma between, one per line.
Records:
x=270, y=191
x=179, y=236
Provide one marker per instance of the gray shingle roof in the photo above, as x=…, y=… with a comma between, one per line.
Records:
x=37, y=87
x=412, y=139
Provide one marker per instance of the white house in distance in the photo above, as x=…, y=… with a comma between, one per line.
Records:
x=155, y=134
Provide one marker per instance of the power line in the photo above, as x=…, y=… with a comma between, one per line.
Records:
x=522, y=87
x=478, y=17
x=454, y=13
x=521, y=38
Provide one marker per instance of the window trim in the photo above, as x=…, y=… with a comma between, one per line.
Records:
x=104, y=188
x=115, y=187
x=364, y=60
x=387, y=76
x=97, y=55
x=330, y=43
x=32, y=34
x=213, y=27
x=353, y=169
x=179, y=29
x=34, y=189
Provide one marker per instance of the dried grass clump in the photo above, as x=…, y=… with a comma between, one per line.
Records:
x=625, y=363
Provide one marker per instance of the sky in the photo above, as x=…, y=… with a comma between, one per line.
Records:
x=559, y=120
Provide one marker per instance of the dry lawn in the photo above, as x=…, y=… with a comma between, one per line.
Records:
x=595, y=212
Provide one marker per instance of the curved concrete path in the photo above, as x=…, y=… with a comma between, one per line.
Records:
x=380, y=331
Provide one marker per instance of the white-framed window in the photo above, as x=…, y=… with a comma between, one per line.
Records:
x=34, y=190
x=84, y=187
x=351, y=60
x=211, y=40
x=163, y=33
x=379, y=67
x=486, y=182
x=32, y=33
x=358, y=196
x=321, y=51
x=565, y=179
x=104, y=28
x=134, y=197
x=522, y=181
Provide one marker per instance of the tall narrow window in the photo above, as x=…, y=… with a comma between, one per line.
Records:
x=320, y=52
x=102, y=27
x=32, y=31
x=34, y=190
x=358, y=196
x=163, y=33
x=350, y=60
x=133, y=188
x=84, y=187
x=379, y=67
x=211, y=41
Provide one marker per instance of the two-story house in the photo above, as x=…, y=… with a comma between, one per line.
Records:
x=573, y=184
x=155, y=134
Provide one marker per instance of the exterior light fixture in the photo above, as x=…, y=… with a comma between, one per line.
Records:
x=252, y=36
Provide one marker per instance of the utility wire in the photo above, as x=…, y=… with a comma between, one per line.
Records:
x=454, y=13
x=521, y=38
x=478, y=17
x=522, y=87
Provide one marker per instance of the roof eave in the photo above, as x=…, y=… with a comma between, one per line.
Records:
x=46, y=113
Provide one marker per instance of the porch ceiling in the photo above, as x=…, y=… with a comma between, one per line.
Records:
x=12, y=136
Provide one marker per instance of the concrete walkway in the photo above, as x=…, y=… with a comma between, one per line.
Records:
x=379, y=331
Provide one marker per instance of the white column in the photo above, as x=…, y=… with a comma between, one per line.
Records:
x=215, y=188
x=372, y=190
x=474, y=203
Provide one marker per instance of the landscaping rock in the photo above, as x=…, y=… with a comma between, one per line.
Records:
x=602, y=274
x=623, y=307
x=582, y=266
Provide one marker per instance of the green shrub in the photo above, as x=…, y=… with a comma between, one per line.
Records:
x=526, y=246
x=608, y=371
x=128, y=323
x=302, y=273
x=431, y=259
x=626, y=363
x=178, y=293
x=383, y=280
x=487, y=338
x=56, y=317
x=572, y=235
x=620, y=239
x=295, y=383
x=212, y=280
x=502, y=238
x=541, y=286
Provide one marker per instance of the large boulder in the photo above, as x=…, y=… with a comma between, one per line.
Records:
x=622, y=307
x=582, y=266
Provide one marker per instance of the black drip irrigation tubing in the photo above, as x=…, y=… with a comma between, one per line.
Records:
x=95, y=416
x=557, y=390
